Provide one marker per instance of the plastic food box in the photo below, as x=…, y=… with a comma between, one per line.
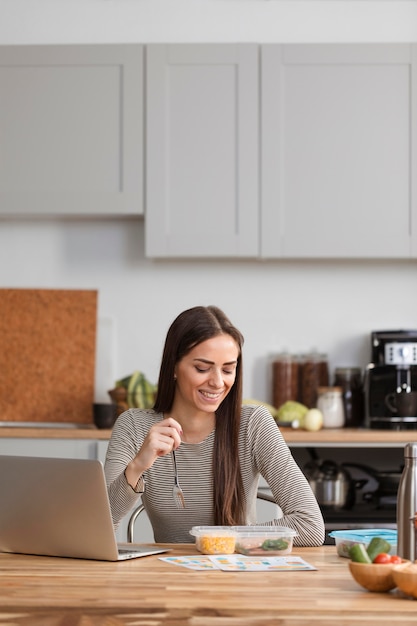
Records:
x=264, y=540
x=346, y=538
x=214, y=539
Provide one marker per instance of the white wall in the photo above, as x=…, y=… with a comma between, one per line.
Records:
x=297, y=305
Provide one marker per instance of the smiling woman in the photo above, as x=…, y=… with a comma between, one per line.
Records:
x=220, y=447
x=202, y=383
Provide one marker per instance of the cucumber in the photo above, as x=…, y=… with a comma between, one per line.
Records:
x=376, y=546
x=358, y=553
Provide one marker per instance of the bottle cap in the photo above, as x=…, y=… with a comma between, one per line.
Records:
x=410, y=450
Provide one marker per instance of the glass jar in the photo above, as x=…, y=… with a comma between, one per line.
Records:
x=350, y=379
x=314, y=374
x=330, y=403
x=284, y=379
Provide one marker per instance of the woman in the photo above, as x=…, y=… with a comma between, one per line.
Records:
x=220, y=448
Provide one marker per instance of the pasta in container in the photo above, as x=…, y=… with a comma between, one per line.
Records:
x=214, y=539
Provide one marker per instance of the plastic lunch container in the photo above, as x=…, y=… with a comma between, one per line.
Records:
x=264, y=540
x=214, y=539
x=346, y=538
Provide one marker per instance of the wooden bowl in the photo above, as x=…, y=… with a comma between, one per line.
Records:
x=373, y=576
x=405, y=578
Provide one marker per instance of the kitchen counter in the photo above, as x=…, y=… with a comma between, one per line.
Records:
x=47, y=590
x=52, y=432
x=349, y=437
x=327, y=437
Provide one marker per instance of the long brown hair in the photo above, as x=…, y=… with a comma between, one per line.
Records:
x=189, y=329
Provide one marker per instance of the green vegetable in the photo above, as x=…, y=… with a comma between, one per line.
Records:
x=274, y=544
x=140, y=392
x=376, y=546
x=292, y=410
x=358, y=553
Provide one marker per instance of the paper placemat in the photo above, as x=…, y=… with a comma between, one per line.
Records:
x=240, y=563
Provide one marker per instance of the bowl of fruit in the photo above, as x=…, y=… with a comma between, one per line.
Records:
x=372, y=567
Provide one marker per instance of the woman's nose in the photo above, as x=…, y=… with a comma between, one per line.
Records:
x=216, y=379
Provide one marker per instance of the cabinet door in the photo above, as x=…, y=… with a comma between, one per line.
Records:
x=336, y=135
x=71, y=128
x=202, y=150
x=62, y=448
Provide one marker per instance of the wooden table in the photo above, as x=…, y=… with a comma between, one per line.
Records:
x=46, y=591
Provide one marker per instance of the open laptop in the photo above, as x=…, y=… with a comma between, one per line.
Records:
x=59, y=507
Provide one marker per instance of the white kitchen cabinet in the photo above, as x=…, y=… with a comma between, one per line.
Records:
x=337, y=137
x=71, y=127
x=338, y=153
x=202, y=150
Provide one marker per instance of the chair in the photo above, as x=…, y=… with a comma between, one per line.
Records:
x=261, y=495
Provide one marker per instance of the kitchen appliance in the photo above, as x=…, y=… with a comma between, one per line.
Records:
x=374, y=505
x=331, y=482
x=393, y=368
x=351, y=493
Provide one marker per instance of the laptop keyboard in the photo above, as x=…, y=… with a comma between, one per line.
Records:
x=132, y=551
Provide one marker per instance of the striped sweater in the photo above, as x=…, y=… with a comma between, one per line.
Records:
x=262, y=452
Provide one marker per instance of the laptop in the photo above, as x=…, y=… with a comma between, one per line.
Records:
x=59, y=507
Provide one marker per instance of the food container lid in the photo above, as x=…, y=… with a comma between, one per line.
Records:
x=335, y=389
x=199, y=531
x=250, y=531
x=365, y=535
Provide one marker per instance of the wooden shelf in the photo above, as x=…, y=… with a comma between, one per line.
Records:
x=327, y=437
x=348, y=437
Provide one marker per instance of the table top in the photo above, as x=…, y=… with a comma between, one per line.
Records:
x=40, y=591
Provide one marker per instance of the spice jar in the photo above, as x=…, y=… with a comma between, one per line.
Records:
x=314, y=374
x=350, y=379
x=285, y=379
x=330, y=403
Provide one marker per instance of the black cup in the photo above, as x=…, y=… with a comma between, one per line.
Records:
x=402, y=403
x=104, y=415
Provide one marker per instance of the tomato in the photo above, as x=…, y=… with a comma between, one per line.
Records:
x=396, y=559
x=382, y=557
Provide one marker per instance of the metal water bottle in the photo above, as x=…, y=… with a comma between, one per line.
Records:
x=407, y=505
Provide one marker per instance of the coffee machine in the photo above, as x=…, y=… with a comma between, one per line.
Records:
x=393, y=369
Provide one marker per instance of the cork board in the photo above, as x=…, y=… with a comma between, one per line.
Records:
x=47, y=355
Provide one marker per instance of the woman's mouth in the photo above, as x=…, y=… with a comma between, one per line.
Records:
x=210, y=395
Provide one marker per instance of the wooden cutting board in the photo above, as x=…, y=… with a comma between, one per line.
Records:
x=47, y=355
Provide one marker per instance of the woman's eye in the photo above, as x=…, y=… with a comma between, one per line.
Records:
x=202, y=370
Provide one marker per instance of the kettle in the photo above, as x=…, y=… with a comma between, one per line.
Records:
x=331, y=483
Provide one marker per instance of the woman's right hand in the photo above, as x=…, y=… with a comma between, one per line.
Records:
x=161, y=439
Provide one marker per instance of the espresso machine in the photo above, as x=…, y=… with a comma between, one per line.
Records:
x=392, y=371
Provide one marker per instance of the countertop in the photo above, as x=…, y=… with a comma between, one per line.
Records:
x=348, y=437
x=51, y=432
x=148, y=591
x=337, y=437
